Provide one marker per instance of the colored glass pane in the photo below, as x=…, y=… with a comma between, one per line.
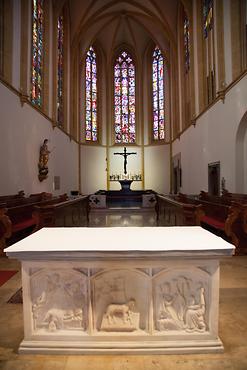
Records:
x=60, y=69
x=186, y=43
x=158, y=94
x=37, y=52
x=207, y=16
x=124, y=99
x=91, y=127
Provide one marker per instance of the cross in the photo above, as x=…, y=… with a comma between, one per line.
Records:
x=125, y=155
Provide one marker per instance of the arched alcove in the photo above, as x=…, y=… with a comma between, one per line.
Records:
x=241, y=156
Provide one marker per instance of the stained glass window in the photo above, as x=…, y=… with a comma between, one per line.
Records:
x=186, y=43
x=158, y=95
x=124, y=99
x=91, y=130
x=60, y=69
x=207, y=16
x=37, y=51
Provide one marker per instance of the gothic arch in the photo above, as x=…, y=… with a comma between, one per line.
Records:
x=241, y=155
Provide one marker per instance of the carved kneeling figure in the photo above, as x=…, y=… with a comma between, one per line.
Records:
x=120, y=310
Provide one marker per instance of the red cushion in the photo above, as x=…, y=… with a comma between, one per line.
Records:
x=213, y=222
x=23, y=225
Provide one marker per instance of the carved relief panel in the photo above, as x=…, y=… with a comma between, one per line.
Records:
x=121, y=301
x=181, y=301
x=59, y=300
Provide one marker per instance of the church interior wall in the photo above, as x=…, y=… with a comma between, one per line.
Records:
x=109, y=25
x=24, y=131
x=157, y=168
x=213, y=139
x=93, y=168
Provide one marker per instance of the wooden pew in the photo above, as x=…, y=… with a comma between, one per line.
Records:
x=14, y=201
x=20, y=218
x=19, y=195
x=171, y=212
x=71, y=212
x=224, y=218
x=236, y=197
x=5, y=229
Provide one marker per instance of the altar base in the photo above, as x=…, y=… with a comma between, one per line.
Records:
x=156, y=292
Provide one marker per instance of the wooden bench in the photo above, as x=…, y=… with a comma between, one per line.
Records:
x=71, y=212
x=20, y=218
x=14, y=201
x=223, y=217
x=5, y=198
x=5, y=229
x=236, y=197
x=171, y=212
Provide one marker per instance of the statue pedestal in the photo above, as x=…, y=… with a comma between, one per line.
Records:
x=125, y=184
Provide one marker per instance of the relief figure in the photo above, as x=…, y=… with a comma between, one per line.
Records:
x=194, y=315
x=181, y=306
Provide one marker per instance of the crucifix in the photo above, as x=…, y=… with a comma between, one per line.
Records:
x=125, y=155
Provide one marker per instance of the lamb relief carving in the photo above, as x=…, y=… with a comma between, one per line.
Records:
x=181, y=305
x=121, y=317
x=120, y=301
x=59, y=301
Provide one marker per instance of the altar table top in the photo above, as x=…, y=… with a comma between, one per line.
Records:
x=192, y=241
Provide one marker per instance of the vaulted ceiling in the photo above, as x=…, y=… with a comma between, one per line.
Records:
x=132, y=22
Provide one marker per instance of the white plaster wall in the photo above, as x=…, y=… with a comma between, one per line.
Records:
x=213, y=139
x=157, y=168
x=93, y=169
x=22, y=131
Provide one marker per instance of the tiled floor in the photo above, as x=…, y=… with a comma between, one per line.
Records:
x=232, y=324
x=112, y=217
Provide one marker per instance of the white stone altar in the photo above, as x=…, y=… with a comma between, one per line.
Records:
x=121, y=290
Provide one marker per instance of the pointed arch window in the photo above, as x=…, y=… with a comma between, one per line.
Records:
x=207, y=16
x=186, y=43
x=60, y=70
x=37, y=51
x=124, y=99
x=158, y=95
x=91, y=129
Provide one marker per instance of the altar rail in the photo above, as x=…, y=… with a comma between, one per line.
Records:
x=71, y=212
x=171, y=212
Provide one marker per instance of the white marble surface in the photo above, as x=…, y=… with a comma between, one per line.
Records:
x=117, y=239
x=121, y=290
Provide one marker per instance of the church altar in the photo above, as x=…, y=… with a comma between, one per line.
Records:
x=120, y=290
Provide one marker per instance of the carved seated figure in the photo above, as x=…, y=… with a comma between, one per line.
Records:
x=194, y=316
